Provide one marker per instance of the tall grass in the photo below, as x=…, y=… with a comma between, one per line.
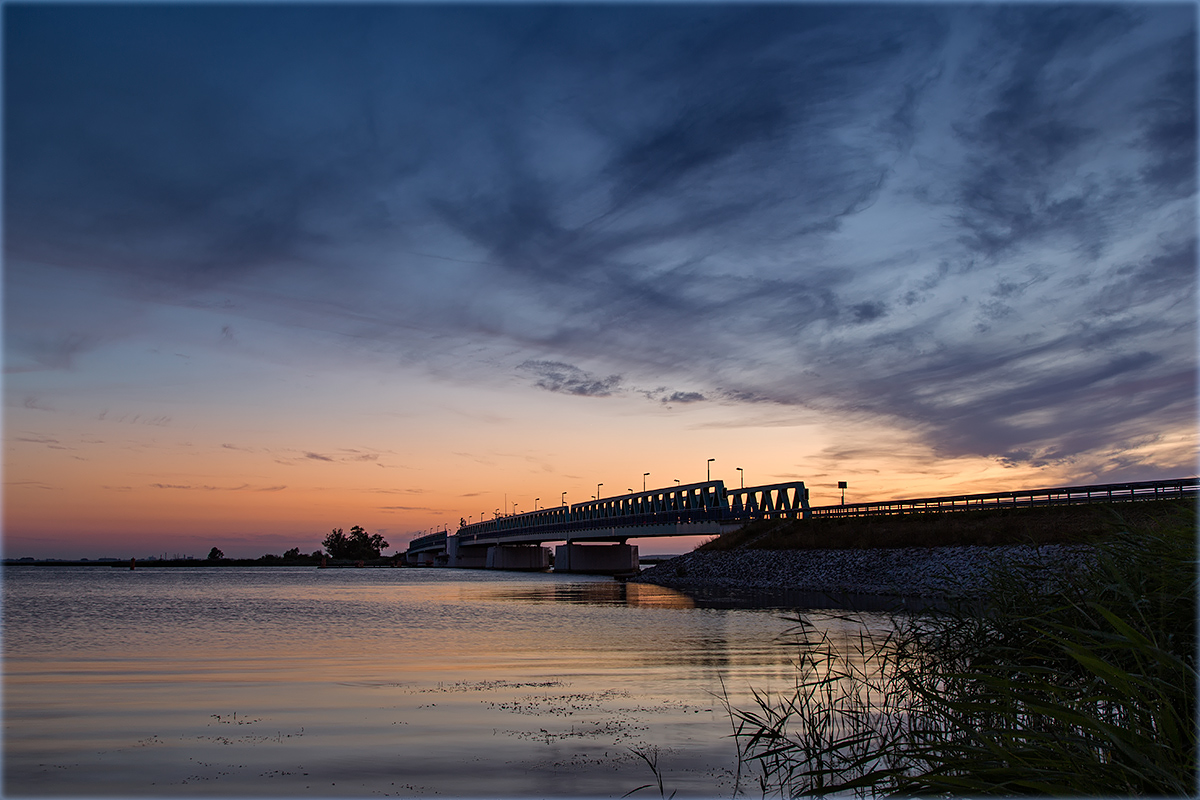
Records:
x=1064, y=683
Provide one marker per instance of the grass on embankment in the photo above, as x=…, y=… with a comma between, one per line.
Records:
x=1037, y=525
x=1084, y=686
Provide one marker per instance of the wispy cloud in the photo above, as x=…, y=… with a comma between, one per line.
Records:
x=976, y=223
x=245, y=487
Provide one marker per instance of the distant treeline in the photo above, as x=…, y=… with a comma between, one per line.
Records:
x=359, y=548
x=316, y=559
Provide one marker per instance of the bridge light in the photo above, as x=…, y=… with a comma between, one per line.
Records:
x=598, y=485
x=741, y=476
x=563, y=501
x=644, y=475
x=708, y=468
x=535, y=501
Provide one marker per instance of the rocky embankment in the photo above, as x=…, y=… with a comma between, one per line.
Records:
x=912, y=572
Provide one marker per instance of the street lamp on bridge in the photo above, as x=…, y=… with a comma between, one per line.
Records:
x=644, y=476
x=563, y=501
x=598, y=485
x=535, y=501
x=741, y=477
x=708, y=469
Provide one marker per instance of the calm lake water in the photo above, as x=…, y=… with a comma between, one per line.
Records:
x=305, y=682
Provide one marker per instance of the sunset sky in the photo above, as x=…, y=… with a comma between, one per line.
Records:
x=274, y=269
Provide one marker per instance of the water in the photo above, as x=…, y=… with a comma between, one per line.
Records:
x=305, y=682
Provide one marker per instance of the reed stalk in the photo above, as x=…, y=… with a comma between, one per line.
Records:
x=1065, y=682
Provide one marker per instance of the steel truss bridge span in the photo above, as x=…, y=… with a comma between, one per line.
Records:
x=690, y=509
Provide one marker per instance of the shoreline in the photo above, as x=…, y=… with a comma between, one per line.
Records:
x=862, y=578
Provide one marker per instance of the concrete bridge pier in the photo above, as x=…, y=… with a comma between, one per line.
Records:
x=597, y=559
x=518, y=556
x=465, y=557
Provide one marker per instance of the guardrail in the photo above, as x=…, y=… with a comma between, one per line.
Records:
x=1069, y=495
x=429, y=541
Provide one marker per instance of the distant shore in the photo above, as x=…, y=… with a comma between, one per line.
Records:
x=193, y=563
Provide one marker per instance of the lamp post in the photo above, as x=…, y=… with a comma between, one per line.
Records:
x=742, y=477
x=677, y=481
x=563, y=501
x=598, y=485
x=644, y=476
x=708, y=469
x=535, y=501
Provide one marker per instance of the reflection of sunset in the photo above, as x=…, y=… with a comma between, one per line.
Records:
x=613, y=593
x=648, y=595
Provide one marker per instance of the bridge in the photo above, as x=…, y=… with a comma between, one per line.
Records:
x=594, y=533
x=1175, y=488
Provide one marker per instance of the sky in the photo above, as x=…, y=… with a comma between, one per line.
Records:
x=274, y=269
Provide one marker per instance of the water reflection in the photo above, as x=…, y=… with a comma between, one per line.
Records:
x=605, y=593
x=353, y=682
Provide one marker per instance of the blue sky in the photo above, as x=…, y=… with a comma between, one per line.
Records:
x=945, y=246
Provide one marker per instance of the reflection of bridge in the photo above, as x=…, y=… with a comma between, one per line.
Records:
x=515, y=541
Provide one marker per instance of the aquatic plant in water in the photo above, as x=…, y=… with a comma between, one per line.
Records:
x=1076, y=683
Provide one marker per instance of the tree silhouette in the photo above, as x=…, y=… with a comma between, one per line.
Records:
x=358, y=545
x=215, y=554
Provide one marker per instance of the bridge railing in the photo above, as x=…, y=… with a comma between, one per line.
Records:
x=1068, y=495
x=428, y=541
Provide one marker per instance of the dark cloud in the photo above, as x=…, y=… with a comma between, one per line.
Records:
x=976, y=220
x=867, y=312
x=1169, y=122
x=684, y=397
x=555, y=376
